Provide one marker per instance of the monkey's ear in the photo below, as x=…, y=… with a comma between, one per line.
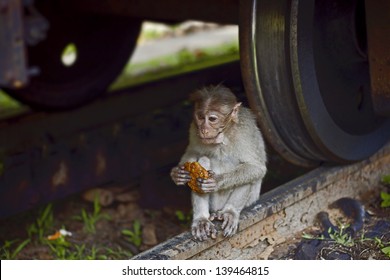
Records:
x=235, y=110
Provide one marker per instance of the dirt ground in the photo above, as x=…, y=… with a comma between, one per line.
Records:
x=97, y=234
x=121, y=225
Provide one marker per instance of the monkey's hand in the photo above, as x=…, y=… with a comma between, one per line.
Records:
x=208, y=185
x=202, y=229
x=230, y=220
x=180, y=176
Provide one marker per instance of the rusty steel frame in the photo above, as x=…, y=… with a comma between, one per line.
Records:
x=125, y=135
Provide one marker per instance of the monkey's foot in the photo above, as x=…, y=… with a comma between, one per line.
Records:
x=230, y=220
x=202, y=229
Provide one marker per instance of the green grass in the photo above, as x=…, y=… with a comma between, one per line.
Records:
x=386, y=180
x=9, y=252
x=90, y=219
x=64, y=247
x=134, y=235
x=341, y=237
x=338, y=236
x=385, y=199
x=42, y=225
x=184, y=218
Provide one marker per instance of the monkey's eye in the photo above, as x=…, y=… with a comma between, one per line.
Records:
x=200, y=117
x=213, y=119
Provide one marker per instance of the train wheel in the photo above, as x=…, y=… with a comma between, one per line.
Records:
x=100, y=47
x=305, y=70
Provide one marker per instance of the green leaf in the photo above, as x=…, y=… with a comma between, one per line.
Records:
x=386, y=179
x=307, y=236
x=127, y=232
x=20, y=247
x=96, y=205
x=46, y=212
x=385, y=196
x=137, y=226
x=180, y=215
x=385, y=199
x=386, y=250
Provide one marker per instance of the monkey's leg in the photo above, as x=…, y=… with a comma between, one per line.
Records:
x=201, y=227
x=230, y=213
x=254, y=194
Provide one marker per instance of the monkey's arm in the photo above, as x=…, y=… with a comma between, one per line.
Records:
x=244, y=174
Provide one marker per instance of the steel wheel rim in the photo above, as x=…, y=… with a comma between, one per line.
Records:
x=283, y=69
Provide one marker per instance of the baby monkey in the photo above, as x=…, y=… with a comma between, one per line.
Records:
x=224, y=139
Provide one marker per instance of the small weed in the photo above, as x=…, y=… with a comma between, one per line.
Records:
x=310, y=236
x=385, y=248
x=386, y=179
x=59, y=248
x=362, y=244
x=82, y=253
x=385, y=199
x=42, y=224
x=7, y=253
x=386, y=251
x=134, y=235
x=90, y=219
x=183, y=218
x=118, y=254
x=340, y=236
x=65, y=250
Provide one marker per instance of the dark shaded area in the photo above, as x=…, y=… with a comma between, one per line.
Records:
x=363, y=230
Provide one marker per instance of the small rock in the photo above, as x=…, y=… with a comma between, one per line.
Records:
x=131, y=196
x=106, y=197
x=149, y=235
x=130, y=211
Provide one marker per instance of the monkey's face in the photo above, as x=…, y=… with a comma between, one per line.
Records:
x=210, y=126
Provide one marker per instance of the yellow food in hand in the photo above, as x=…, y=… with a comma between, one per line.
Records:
x=196, y=171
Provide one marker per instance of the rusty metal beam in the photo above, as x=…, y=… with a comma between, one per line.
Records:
x=378, y=41
x=126, y=135
x=221, y=11
x=13, y=71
